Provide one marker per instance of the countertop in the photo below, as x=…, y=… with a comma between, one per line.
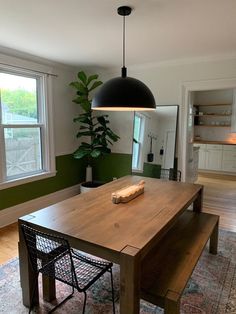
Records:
x=214, y=142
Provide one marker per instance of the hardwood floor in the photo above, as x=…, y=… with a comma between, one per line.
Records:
x=219, y=198
x=8, y=243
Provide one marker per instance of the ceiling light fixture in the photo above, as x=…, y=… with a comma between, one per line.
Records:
x=124, y=93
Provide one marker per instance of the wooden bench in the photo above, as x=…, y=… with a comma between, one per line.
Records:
x=168, y=267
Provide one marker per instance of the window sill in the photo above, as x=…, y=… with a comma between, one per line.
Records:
x=137, y=170
x=21, y=181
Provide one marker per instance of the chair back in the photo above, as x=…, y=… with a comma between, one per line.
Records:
x=43, y=248
x=170, y=174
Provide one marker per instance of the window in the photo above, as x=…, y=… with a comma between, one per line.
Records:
x=25, y=137
x=137, y=141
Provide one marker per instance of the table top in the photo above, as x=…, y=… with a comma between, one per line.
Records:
x=93, y=218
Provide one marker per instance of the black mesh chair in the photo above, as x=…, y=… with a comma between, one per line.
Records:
x=170, y=174
x=53, y=257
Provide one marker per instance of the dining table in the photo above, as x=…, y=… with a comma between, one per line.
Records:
x=122, y=233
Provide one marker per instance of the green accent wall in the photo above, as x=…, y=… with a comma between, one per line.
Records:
x=70, y=171
x=113, y=165
x=150, y=170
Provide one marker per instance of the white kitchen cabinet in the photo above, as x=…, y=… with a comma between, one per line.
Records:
x=213, y=159
x=229, y=158
x=231, y=148
x=210, y=157
x=202, y=156
x=217, y=157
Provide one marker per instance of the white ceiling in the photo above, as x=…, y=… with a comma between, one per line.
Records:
x=89, y=32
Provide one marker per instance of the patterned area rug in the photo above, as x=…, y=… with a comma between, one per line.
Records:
x=211, y=289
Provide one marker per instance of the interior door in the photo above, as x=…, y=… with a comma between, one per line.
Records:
x=169, y=149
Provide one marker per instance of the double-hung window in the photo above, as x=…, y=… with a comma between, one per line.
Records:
x=137, y=141
x=26, y=151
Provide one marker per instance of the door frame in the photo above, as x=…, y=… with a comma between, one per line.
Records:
x=165, y=147
x=186, y=89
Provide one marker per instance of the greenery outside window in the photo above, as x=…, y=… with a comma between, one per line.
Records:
x=26, y=152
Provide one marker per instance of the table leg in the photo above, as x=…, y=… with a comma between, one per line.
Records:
x=172, y=303
x=214, y=240
x=197, y=204
x=130, y=281
x=27, y=276
x=49, y=288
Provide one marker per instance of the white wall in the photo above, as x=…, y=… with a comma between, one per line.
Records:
x=65, y=111
x=63, y=108
x=165, y=81
x=121, y=123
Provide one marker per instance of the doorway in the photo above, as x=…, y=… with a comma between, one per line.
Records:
x=219, y=188
x=187, y=132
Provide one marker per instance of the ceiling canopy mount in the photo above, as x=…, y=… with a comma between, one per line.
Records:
x=124, y=10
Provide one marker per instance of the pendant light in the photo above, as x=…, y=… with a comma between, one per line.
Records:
x=124, y=93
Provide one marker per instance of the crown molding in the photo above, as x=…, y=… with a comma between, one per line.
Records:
x=174, y=62
x=26, y=57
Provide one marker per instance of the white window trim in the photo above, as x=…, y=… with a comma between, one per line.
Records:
x=48, y=148
x=139, y=169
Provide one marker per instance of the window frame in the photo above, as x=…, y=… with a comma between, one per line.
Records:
x=45, y=125
x=139, y=167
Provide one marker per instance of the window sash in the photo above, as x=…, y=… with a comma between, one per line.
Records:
x=136, y=155
x=44, y=114
x=137, y=146
x=36, y=155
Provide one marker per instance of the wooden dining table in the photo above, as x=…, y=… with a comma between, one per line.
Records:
x=122, y=233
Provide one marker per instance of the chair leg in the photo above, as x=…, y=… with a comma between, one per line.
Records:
x=34, y=289
x=85, y=300
x=63, y=301
x=112, y=291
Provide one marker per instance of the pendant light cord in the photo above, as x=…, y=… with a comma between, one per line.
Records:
x=123, y=41
x=123, y=70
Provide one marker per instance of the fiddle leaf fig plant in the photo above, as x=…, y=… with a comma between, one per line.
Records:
x=93, y=127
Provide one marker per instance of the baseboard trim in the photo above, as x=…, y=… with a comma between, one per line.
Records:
x=11, y=214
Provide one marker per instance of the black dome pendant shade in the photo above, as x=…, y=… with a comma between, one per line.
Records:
x=124, y=93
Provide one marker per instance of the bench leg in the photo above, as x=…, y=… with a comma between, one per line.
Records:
x=172, y=303
x=214, y=239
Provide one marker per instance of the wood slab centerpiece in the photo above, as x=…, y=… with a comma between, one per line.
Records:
x=128, y=193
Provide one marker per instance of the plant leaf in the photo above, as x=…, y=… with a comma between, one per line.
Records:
x=102, y=121
x=80, y=153
x=113, y=136
x=80, y=99
x=92, y=78
x=95, y=153
x=74, y=84
x=82, y=77
x=82, y=119
x=85, y=145
x=95, y=85
x=86, y=105
x=99, y=129
x=96, y=141
x=82, y=89
x=85, y=133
